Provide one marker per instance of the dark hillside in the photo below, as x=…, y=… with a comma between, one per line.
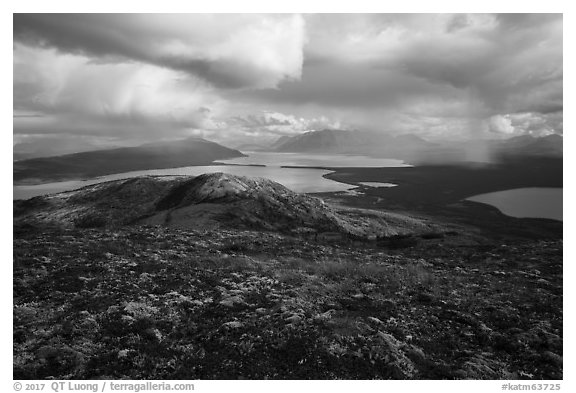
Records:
x=189, y=152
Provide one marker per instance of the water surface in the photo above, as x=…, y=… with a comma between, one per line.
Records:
x=303, y=180
x=296, y=179
x=525, y=202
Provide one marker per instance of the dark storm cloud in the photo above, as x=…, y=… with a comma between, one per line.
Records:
x=515, y=57
x=228, y=51
x=352, y=86
x=499, y=58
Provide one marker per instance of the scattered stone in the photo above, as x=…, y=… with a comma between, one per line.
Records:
x=326, y=316
x=233, y=301
x=375, y=320
x=194, y=302
x=145, y=277
x=139, y=309
x=233, y=325
x=294, y=319
x=482, y=324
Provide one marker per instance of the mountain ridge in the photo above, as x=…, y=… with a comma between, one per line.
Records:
x=159, y=155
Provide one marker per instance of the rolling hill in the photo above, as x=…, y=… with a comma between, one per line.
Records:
x=208, y=201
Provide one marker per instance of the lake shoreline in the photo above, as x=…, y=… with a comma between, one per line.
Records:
x=39, y=182
x=440, y=192
x=440, y=184
x=526, y=202
x=399, y=175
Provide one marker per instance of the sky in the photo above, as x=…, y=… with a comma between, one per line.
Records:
x=83, y=81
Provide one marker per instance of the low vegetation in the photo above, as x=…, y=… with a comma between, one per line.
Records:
x=163, y=303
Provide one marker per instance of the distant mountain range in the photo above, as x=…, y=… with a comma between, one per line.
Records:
x=196, y=151
x=209, y=201
x=415, y=149
x=173, y=154
x=348, y=142
x=50, y=147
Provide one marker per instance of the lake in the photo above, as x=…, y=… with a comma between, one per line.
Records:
x=314, y=160
x=297, y=179
x=525, y=202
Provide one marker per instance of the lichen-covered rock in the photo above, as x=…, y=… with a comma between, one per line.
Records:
x=165, y=303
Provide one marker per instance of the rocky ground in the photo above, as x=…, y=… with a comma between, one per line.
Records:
x=164, y=303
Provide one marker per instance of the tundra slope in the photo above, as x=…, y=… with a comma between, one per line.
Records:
x=168, y=302
x=163, y=303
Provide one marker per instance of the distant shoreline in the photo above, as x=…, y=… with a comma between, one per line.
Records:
x=430, y=178
x=440, y=192
x=442, y=184
x=38, y=182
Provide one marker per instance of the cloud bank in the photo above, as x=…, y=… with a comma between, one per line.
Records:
x=139, y=77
